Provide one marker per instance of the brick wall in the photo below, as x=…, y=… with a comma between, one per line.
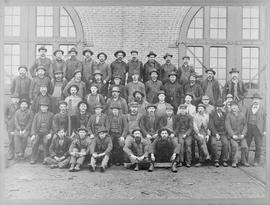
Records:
x=142, y=28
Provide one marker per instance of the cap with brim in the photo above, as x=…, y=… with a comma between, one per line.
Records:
x=59, y=50
x=169, y=107
x=82, y=128
x=24, y=100
x=160, y=92
x=76, y=71
x=58, y=71
x=42, y=48
x=102, y=53
x=97, y=72
x=172, y=73
x=41, y=67
x=210, y=70
x=62, y=102
x=183, y=106
x=229, y=96
x=120, y=51
x=116, y=89
x=82, y=102
x=115, y=107
x=151, y=53
x=200, y=105
x=186, y=57
x=134, y=51
x=98, y=106
x=151, y=105
x=205, y=97
x=153, y=70
x=102, y=129
x=23, y=66
x=167, y=54
x=76, y=86
x=87, y=50
x=133, y=104
x=93, y=85
x=234, y=70
x=117, y=76
x=73, y=50
x=164, y=128
x=136, y=129
x=189, y=94
x=44, y=102
x=256, y=96
x=137, y=91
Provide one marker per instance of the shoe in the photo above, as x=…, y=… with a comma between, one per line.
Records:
x=77, y=167
x=44, y=162
x=216, y=164
x=180, y=164
x=198, y=164
x=102, y=169
x=224, y=164
x=136, y=167
x=207, y=158
x=246, y=164
x=53, y=166
x=91, y=168
x=32, y=162
x=151, y=168
x=255, y=164
x=234, y=165
x=71, y=169
x=187, y=165
x=174, y=169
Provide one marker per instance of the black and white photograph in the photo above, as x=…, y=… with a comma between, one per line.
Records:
x=134, y=100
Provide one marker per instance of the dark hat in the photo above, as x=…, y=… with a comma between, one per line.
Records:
x=153, y=70
x=102, y=129
x=96, y=72
x=23, y=66
x=205, y=97
x=229, y=96
x=182, y=106
x=42, y=48
x=120, y=51
x=256, y=95
x=102, y=53
x=137, y=91
x=136, y=129
x=193, y=74
x=133, y=104
x=76, y=71
x=211, y=70
x=76, y=86
x=98, y=106
x=44, y=102
x=82, y=102
x=24, y=100
x=219, y=103
x=172, y=73
x=73, y=50
x=58, y=71
x=234, y=70
x=82, y=128
x=233, y=103
x=115, y=106
x=185, y=57
x=151, y=53
x=166, y=55
x=41, y=67
x=87, y=50
x=150, y=105
x=93, y=85
x=134, y=51
x=189, y=94
x=62, y=102
x=164, y=128
x=160, y=92
x=117, y=76
x=58, y=50
x=135, y=72
x=200, y=105
x=115, y=89
x=169, y=107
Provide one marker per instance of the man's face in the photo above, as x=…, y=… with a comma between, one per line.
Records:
x=138, y=136
x=78, y=76
x=58, y=76
x=41, y=72
x=98, y=77
x=115, y=94
x=164, y=134
x=172, y=78
x=98, y=111
x=235, y=75
x=72, y=54
x=229, y=99
x=115, y=111
x=168, y=59
x=161, y=97
x=188, y=99
x=192, y=80
x=120, y=56
x=73, y=90
x=101, y=58
x=134, y=56
x=22, y=72
x=183, y=110
x=44, y=108
x=151, y=110
x=219, y=109
x=42, y=53
x=154, y=76
x=83, y=107
x=169, y=112
x=210, y=75
x=24, y=106
x=82, y=134
x=134, y=109
x=59, y=54
x=186, y=61
x=234, y=108
x=151, y=58
x=61, y=133
x=63, y=108
x=88, y=55
x=205, y=101
x=200, y=110
x=43, y=90
x=93, y=89
x=117, y=81
x=102, y=135
x=135, y=77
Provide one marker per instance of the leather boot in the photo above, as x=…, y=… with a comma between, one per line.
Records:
x=71, y=169
x=151, y=168
x=174, y=169
x=136, y=167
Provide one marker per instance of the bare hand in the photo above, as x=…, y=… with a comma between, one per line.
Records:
x=153, y=157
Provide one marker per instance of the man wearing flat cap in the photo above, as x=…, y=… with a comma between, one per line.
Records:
x=161, y=103
x=235, y=86
x=167, y=68
x=76, y=80
x=152, y=86
x=72, y=64
x=116, y=99
x=20, y=85
x=211, y=87
x=58, y=63
x=88, y=65
x=256, y=126
x=134, y=66
x=119, y=67
x=42, y=60
x=149, y=65
x=185, y=70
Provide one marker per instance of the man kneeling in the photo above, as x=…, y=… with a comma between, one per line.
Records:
x=164, y=149
x=100, y=150
x=137, y=150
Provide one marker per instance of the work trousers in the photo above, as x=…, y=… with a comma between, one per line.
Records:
x=21, y=142
x=203, y=151
x=224, y=148
x=253, y=132
x=102, y=160
x=234, y=150
x=11, y=145
x=117, y=151
x=62, y=164
x=40, y=139
x=185, y=148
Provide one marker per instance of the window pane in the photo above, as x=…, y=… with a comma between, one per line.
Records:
x=251, y=25
x=214, y=23
x=222, y=12
x=254, y=12
x=195, y=28
x=214, y=12
x=254, y=52
x=246, y=63
x=254, y=34
x=44, y=21
x=246, y=34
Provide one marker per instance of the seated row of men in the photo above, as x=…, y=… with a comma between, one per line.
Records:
x=143, y=135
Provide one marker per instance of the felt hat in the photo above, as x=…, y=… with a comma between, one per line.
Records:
x=134, y=51
x=151, y=53
x=219, y=103
x=41, y=67
x=58, y=50
x=172, y=73
x=189, y=94
x=151, y=105
x=102, y=129
x=87, y=50
x=102, y=53
x=73, y=50
x=24, y=100
x=120, y=51
x=183, y=106
x=137, y=91
x=115, y=106
x=83, y=102
x=23, y=66
x=62, y=102
x=164, y=128
x=97, y=72
x=76, y=86
x=42, y=48
x=117, y=76
x=185, y=57
x=153, y=70
x=211, y=70
x=98, y=106
x=234, y=70
x=161, y=92
x=200, y=105
x=76, y=71
x=115, y=89
x=133, y=104
x=229, y=96
x=82, y=127
x=166, y=55
x=136, y=129
x=205, y=97
x=44, y=101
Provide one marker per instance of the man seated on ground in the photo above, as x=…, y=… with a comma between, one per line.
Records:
x=59, y=155
x=164, y=149
x=137, y=149
x=78, y=149
x=100, y=150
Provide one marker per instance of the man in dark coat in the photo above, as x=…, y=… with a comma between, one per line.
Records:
x=21, y=84
x=211, y=87
x=58, y=64
x=194, y=88
x=256, y=126
x=134, y=65
x=88, y=65
x=116, y=99
x=168, y=119
x=167, y=68
x=82, y=116
x=61, y=120
x=219, y=133
x=149, y=65
x=164, y=149
x=185, y=71
x=152, y=86
x=104, y=68
x=42, y=60
x=119, y=67
x=116, y=81
x=72, y=64
x=100, y=150
x=183, y=126
x=43, y=95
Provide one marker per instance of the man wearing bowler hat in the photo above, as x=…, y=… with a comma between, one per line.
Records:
x=119, y=67
x=97, y=80
x=167, y=68
x=42, y=60
x=134, y=66
x=58, y=64
x=21, y=84
x=149, y=65
x=152, y=86
x=185, y=71
x=76, y=80
x=256, y=126
x=88, y=65
x=72, y=64
x=235, y=86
